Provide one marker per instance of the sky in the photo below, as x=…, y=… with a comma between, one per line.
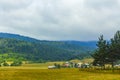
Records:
x=82, y=20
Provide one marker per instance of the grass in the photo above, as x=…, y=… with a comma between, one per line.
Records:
x=53, y=74
x=40, y=72
x=40, y=65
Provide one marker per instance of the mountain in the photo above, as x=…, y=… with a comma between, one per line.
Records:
x=18, y=37
x=14, y=46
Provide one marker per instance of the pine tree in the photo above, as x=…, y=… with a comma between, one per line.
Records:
x=100, y=55
x=114, y=51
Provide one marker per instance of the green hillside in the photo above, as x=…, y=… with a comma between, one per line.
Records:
x=40, y=51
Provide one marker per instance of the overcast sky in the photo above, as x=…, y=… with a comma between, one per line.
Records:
x=60, y=19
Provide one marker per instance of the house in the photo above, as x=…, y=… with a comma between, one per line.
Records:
x=117, y=66
x=79, y=65
x=85, y=65
x=66, y=64
x=51, y=67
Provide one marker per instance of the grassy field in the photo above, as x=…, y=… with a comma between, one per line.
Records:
x=40, y=65
x=54, y=74
x=40, y=72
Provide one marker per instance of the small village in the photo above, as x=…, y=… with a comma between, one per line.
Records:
x=69, y=64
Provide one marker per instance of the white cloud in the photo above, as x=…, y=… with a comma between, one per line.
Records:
x=60, y=19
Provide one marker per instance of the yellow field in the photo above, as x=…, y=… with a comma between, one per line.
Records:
x=40, y=72
x=36, y=73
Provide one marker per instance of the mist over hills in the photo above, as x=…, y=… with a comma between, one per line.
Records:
x=16, y=46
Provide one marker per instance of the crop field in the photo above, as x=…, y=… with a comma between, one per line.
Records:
x=40, y=72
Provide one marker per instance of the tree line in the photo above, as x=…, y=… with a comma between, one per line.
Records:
x=107, y=52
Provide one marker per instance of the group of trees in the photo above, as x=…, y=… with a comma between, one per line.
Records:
x=14, y=63
x=108, y=52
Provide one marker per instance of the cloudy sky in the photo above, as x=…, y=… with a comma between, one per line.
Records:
x=60, y=19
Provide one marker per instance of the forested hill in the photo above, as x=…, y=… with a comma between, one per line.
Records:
x=18, y=37
x=14, y=46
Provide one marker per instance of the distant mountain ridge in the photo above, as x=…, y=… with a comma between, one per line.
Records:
x=29, y=39
x=17, y=36
x=37, y=50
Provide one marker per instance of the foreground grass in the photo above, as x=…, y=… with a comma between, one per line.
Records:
x=53, y=74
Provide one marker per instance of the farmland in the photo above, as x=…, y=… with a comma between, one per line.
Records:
x=40, y=72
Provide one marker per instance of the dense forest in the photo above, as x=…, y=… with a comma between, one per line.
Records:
x=24, y=48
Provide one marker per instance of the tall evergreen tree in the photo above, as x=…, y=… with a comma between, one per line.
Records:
x=100, y=55
x=114, y=51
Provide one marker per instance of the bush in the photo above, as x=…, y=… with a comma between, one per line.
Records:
x=5, y=64
x=16, y=63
